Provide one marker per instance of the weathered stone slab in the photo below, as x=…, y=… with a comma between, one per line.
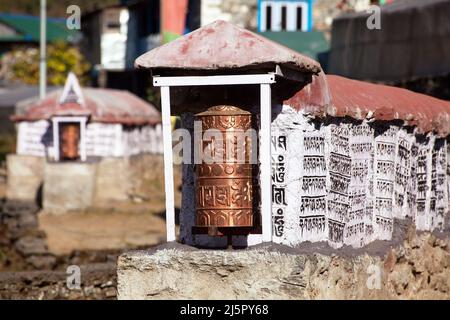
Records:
x=420, y=268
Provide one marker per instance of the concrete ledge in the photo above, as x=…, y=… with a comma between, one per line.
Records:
x=420, y=268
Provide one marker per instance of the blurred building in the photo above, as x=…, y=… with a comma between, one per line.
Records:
x=16, y=29
x=324, y=11
x=411, y=49
x=280, y=15
x=312, y=44
x=105, y=123
x=289, y=23
x=114, y=36
x=83, y=145
x=240, y=12
x=10, y=97
x=104, y=37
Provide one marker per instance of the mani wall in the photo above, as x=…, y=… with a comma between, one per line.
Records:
x=342, y=180
x=35, y=138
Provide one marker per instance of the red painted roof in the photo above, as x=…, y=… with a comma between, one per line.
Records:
x=102, y=105
x=222, y=45
x=340, y=97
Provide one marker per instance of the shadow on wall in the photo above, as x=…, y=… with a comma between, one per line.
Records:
x=40, y=196
x=162, y=215
x=7, y=145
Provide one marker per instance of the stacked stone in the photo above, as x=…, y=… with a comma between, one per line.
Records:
x=19, y=234
x=417, y=267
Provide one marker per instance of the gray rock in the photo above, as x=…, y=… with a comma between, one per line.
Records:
x=180, y=272
x=42, y=262
x=31, y=246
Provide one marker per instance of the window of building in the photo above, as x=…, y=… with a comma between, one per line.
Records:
x=299, y=20
x=283, y=18
x=268, y=18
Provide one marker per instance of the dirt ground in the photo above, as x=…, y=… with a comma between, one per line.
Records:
x=101, y=230
x=125, y=225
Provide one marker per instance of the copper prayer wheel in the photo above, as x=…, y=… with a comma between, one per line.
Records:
x=70, y=138
x=224, y=188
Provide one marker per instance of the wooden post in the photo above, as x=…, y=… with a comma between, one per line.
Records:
x=168, y=163
x=55, y=125
x=265, y=160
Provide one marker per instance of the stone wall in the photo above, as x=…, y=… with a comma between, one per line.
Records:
x=417, y=268
x=112, y=180
x=145, y=170
x=67, y=186
x=121, y=179
x=24, y=177
x=29, y=271
x=22, y=244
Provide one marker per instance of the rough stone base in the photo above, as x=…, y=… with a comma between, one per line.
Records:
x=418, y=268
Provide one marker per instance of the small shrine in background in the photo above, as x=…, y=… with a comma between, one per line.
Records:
x=84, y=140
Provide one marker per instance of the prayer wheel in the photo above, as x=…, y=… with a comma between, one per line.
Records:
x=70, y=139
x=224, y=188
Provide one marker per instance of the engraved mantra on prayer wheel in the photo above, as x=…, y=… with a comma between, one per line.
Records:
x=224, y=191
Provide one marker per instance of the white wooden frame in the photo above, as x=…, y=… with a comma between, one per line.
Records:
x=264, y=81
x=55, y=124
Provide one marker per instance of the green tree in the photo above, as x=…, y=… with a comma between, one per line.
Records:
x=23, y=64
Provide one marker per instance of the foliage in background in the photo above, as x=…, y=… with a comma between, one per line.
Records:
x=22, y=64
x=55, y=8
x=154, y=96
